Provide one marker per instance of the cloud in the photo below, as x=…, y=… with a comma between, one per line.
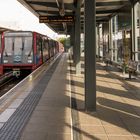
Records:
x=14, y=15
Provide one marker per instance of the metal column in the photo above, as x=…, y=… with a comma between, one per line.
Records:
x=72, y=38
x=77, y=38
x=133, y=31
x=116, y=31
x=110, y=39
x=90, y=55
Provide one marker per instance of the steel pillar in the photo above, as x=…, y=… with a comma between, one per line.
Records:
x=90, y=55
x=110, y=39
x=72, y=38
x=133, y=32
x=77, y=38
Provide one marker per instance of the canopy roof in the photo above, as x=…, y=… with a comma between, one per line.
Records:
x=104, y=10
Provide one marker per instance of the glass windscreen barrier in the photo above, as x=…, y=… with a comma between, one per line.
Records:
x=137, y=31
x=121, y=37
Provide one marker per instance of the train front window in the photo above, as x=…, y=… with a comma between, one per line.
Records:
x=8, y=46
x=18, y=46
x=28, y=46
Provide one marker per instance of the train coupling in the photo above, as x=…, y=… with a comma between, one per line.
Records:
x=16, y=72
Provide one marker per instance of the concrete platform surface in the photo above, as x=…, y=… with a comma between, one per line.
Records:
x=118, y=107
x=60, y=113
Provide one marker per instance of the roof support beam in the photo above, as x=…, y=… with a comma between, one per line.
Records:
x=60, y=5
x=90, y=55
x=53, y=12
x=48, y=4
x=112, y=3
x=52, y=4
x=71, y=13
x=76, y=49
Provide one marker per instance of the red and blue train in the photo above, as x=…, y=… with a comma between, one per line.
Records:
x=25, y=50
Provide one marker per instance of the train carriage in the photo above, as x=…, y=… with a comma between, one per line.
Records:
x=25, y=50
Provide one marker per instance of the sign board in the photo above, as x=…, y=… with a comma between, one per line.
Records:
x=56, y=19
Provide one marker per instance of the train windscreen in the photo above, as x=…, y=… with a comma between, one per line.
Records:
x=18, y=48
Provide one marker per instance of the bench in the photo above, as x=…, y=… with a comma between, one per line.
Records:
x=132, y=67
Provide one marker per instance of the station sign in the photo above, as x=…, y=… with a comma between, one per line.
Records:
x=56, y=19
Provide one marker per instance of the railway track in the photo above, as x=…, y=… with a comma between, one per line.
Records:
x=8, y=81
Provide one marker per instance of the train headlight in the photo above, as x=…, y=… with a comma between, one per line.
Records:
x=5, y=61
x=30, y=61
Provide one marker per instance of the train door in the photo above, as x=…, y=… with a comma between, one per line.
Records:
x=45, y=52
x=42, y=49
x=39, y=50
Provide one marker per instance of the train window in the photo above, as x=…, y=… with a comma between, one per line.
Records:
x=8, y=46
x=28, y=45
x=18, y=46
x=39, y=45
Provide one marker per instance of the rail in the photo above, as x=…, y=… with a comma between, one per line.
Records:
x=5, y=76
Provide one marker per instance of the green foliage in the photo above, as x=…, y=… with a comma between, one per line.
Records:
x=62, y=40
x=65, y=41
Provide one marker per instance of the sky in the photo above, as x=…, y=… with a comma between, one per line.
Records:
x=15, y=16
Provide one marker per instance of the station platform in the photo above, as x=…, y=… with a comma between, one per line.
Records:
x=49, y=105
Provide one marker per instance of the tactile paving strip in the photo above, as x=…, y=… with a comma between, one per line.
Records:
x=13, y=127
x=74, y=113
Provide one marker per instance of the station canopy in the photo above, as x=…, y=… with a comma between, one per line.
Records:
x=59, y=14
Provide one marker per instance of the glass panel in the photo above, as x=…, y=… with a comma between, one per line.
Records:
x=121, y=36
x=101, y=40
x=8, y=46
x=18, y=46
x=45, y=50
x=137, y=28
x=115, y=36
x=28, y=46
x=136, y=50
x=39, y=47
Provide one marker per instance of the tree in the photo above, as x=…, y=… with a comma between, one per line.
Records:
x=65, y=41
x=62, y=40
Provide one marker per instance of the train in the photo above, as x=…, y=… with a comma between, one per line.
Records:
x=25, y=50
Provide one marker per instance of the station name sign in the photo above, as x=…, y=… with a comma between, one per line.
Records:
x=56, y=19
